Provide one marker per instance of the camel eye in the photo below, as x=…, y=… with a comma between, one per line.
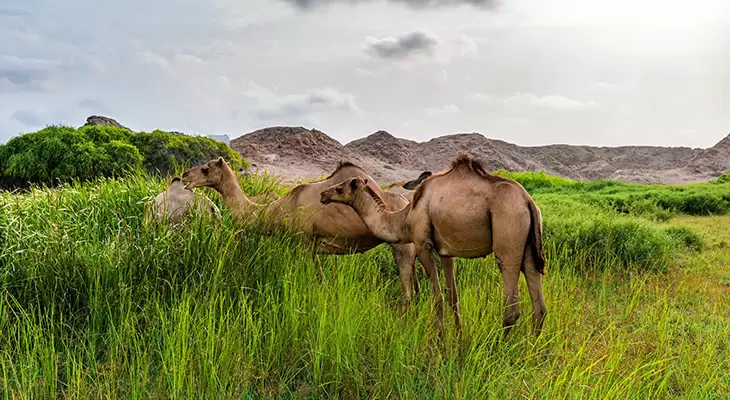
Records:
x=338, y=190
x=205, y=171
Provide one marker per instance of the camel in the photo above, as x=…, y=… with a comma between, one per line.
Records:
x=411, y=185
x=246, y=173
x=463, y=212
x=331, y=230
x=408, y=189
x=174, y=203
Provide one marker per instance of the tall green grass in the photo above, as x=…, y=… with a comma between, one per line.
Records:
x=95, y=304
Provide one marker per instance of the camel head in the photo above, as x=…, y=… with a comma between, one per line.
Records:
x=343, y=192
x=208, y=174
x=411, y=185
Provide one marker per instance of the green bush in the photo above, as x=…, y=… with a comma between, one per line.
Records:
x=601, y=243
x=60, y=154
x=724, y=178
x=685, y=237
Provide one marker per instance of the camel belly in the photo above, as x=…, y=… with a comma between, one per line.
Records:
x=462, y=237
x=342, y=231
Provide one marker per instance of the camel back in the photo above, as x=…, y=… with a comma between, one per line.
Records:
x=463, y=162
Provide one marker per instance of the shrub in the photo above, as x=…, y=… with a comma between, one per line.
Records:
x=685, y=237
x=724, y=178
x=601, y=242
x=60, y=154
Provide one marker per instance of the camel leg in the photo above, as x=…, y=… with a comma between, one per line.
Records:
x=425, y=254
x=317, y=258
x=534, y=285
x=510, y=279
x=447, y=263
x=405, y=258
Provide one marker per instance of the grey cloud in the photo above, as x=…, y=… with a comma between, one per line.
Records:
x=9, y=12
x=23, y=77
x=418, y=4
x=28, y=118
x=401, y=47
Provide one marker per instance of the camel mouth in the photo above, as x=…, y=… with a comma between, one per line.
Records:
x=325, y=200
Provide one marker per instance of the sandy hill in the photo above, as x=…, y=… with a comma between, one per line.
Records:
x=299, y=152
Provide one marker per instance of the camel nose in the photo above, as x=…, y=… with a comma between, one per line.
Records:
x=185, y=174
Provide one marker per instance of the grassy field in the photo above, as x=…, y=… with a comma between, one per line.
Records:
x=95, y=305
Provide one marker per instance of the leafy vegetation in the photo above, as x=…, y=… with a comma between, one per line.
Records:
x=657, y=202
x=95, y=304
x=59, y=154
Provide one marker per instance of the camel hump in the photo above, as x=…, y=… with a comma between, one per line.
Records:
x=535, y=239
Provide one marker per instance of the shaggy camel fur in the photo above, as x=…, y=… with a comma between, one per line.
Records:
x=176, y=202
x=332, y=230
x=463, y=212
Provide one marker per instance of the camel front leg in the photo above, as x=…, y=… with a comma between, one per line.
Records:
x=447, y=263
x=425, y=254
x=405, y=258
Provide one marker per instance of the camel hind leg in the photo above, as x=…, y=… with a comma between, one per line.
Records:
x=425, y=254
x=510, y=280
x=447, y=263
x=534, y=285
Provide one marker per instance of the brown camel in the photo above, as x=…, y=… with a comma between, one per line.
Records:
x=463, y=212
x=408, y=189
x=332, y=230
x=174, y=203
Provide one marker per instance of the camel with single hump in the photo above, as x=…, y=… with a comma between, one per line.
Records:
x=463, y=212
x=332, y=230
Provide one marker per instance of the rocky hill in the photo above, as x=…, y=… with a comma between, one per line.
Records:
x=293, y=152
x=298, y=152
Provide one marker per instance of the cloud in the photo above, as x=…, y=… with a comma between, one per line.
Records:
x=364, y=72
x=405, y=49
x=447, y=109
x=552, y=101
x=417, y=4
x=272, y=106
x=24, y=73
x=28, y=118
x=400, y=47
x=9, y=12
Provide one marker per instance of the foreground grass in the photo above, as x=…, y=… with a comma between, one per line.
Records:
x=93, y=304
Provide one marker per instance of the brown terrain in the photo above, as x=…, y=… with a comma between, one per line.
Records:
x=297, y=152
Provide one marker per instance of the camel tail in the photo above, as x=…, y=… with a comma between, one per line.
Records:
x=535, y=237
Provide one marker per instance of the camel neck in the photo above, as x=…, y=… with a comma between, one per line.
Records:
x=386, y=225
x=233, y=197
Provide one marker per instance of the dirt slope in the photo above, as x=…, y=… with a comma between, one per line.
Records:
x=299, y=152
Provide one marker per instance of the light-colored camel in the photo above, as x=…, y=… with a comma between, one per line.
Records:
x=332, y=230
x=463, y=212
x=174, y=203
x=408, y=189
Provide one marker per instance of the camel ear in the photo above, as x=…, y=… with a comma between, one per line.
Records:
x=365, y=182
x=353, y=184
x=220, y=161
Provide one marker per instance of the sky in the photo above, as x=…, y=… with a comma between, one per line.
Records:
x=530, y=72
